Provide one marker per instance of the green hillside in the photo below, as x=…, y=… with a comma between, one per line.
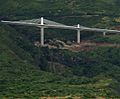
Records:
x=29, y=72
x=20, y=78
x=76, y=6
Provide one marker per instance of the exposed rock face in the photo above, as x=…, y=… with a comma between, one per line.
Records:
x=55, y=43
x=56, y=67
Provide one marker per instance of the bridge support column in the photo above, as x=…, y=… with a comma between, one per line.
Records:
x=104, y=33
x=42, y=36
x=78, y=34
x=42, y=32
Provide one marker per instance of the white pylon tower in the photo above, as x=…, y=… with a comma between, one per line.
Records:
x=42, y=32
x=78, y=34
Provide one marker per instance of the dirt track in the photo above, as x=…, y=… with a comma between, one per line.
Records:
x=88, y=46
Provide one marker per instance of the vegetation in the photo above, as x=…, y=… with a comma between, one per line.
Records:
x=115, y=39
x=29, y=72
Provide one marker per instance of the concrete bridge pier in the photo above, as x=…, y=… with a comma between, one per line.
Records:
x=42, y=32
x=104, y=33
x=78, y=34
x=42, y=36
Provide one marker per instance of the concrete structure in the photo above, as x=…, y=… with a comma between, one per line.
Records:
x=104, y=33
x=42, y=32
x=44, y=23
x=78, y=34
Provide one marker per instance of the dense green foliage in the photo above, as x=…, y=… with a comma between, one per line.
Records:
x=115, y=39
x=30, y=72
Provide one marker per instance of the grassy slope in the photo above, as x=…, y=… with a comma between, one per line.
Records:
x=20, y=78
